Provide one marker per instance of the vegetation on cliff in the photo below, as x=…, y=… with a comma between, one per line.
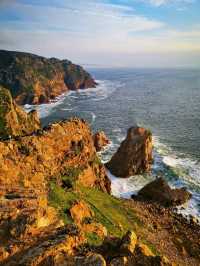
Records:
x=33, y=79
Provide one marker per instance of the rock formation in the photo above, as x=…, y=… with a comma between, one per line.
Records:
x=65, y=148
x=159, y=191
x=14, y=121
x=100, y=140
x=134, y=155
x=34, y=79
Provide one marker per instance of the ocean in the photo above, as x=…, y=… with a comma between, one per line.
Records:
x=167, y=101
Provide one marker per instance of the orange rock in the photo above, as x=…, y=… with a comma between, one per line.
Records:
x=100, y=140
x=79, y=211
x=134, y=155
x=14, y=121
x=31, y=160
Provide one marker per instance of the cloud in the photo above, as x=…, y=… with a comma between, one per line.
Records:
x=93, y=32
x=158, y=3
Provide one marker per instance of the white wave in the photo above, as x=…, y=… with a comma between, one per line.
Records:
x=102, y=91
x=125, y=187
x=186, y=169
x=45, y=109
x=66, y=109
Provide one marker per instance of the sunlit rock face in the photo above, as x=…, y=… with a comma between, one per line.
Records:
x=134, y=155
x=14, y=121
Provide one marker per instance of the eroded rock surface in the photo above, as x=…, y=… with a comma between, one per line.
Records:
x=64, y=148
x=134, y=155
x=14, y=121
x=100, y=140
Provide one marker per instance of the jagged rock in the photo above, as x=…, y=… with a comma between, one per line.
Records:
x=100, y=140
x=144, y=250
x=128, y=244
x=159, y=191
x=65, y=148
x=134, y=155
x=80, y=211
x=33, y=79
x=13, y=120
x=92, y=259
x=56, y=248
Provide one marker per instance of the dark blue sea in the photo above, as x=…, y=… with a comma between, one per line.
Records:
x=167, y=101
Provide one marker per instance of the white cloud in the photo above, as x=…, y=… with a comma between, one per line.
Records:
x=164, y=2
x=97, y=33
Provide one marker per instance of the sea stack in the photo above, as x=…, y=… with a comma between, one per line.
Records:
x=134, y=155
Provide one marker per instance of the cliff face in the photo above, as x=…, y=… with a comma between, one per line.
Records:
x=34, y=79
x=134, y=155
x=13, y=120
x=64, y=148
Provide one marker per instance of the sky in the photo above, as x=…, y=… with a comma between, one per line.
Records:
x=105, y=33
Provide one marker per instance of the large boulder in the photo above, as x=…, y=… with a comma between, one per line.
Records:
x=134, y=155
x=100, y=140
x=14, y=121
x=159, y=191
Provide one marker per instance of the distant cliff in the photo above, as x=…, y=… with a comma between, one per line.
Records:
x=33, y=79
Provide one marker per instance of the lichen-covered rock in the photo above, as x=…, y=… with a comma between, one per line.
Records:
x=100, y=140
x=14, y=121
x=33, y=79
x=159, y=191
x=134, y=155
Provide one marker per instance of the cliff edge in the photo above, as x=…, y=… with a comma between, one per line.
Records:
x=34, y=79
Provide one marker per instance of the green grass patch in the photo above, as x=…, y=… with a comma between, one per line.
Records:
x=93, y=239
x=108, y=210
x=62, y=201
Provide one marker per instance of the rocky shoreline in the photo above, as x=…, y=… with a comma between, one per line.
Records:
x=56, y=206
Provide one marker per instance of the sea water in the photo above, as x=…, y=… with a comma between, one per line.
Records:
x=167, y=101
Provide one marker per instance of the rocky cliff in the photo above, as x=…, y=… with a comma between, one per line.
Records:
x=56, y=208
x=34, y=79
x=65, y=148
x=13, y=120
